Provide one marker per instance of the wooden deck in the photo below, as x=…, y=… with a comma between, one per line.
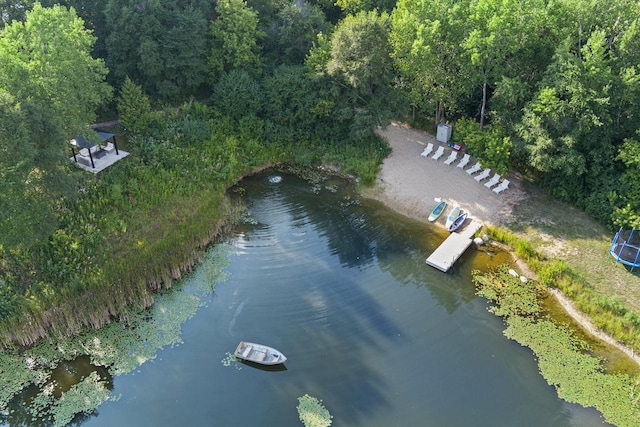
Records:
x=453, y=247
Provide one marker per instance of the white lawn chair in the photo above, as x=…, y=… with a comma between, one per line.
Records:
x=464, y=161
x=451, y=158
x=439, y=153
x=482, y=175
x=473, y=169
x=427, y=150
x=500, y=188
x=493, y=181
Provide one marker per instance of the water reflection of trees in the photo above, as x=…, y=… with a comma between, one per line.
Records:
x=360, y=234
x=359, y=237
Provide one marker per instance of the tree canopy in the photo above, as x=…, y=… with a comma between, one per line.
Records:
x=235, y=36
x=47, y=59
x=50, y=88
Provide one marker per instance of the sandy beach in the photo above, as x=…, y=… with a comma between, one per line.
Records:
x=409, y=182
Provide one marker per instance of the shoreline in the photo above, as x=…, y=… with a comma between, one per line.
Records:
x=408, y=184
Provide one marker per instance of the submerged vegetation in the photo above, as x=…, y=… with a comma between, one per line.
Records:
x=564, y=359
x=120, y=347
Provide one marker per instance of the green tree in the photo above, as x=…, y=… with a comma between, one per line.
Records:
x=567, y=127
x=627, y=213
x=134, y=108
x=627, y=59
x=13, y=10
x=160, y=45
x=184, y=55
x=47, y=59
x=427, y=39
x=491, y=145
x=293, y=32
x=352, y=7
x=301, y=107
x=496, y=33
x=235, y=36
x=238, y=94
x=360, y=53
x=359, y=59
x=33, y=177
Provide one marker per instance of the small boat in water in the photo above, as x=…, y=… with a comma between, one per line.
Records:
x=437, y=211
x=259, y=353
x=452, y=216
x=457, y=223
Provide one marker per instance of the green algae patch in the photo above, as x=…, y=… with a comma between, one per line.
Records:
x=231, y=359
x=83, y=397
x=565, y=360
x=119, y=347
x=312, y=412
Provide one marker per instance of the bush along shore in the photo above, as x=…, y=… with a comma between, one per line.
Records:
x=565, y=360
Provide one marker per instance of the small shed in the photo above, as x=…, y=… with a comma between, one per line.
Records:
x=443, y=133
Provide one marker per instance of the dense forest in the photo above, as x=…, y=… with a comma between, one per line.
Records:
x=206, y=91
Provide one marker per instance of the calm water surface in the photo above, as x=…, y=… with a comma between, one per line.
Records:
x=342, y=289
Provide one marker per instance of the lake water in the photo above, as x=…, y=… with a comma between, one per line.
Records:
x=340, y=287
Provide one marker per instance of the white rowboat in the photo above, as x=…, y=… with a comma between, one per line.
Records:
x=259, y=353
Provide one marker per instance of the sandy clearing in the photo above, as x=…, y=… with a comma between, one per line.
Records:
x=408, y=183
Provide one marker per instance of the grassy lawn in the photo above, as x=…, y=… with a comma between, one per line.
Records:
x=561, y=231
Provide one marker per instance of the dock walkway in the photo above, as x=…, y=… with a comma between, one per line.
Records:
x=453, y=247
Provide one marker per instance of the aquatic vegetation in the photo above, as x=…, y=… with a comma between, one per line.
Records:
x=230, y=359
x=120, y=347
x=211, y=270
x=123, y=348
x=312, y=412
x=349, y=201
x=17, y=372
x=563, y=358
x=605, y=311
x=83, y=397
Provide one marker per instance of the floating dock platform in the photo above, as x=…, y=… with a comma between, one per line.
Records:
x=453, y=247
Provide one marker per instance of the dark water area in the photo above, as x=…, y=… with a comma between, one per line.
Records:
x=342, y=289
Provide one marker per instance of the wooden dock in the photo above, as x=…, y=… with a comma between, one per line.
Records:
x=453, y=247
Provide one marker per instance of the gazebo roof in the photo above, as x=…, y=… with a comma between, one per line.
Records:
x=82, y=142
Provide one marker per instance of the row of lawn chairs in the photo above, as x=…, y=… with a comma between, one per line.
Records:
x=498, y=187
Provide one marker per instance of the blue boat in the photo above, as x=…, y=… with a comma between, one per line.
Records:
x=438, y=210
x=457, y=223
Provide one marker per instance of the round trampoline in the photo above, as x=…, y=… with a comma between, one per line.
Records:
x=626, y=247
